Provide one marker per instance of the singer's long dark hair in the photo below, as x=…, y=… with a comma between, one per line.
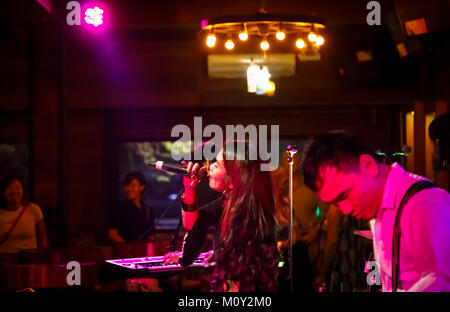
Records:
x=248, y=253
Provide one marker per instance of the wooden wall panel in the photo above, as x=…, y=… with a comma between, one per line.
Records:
x=14, y=127
x=373, y=124
x=86, y=189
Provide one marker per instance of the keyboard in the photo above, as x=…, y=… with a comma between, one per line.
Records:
x=155, y=266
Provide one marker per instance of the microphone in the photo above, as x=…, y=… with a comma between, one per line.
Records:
x=291, y=150
x=202, y=174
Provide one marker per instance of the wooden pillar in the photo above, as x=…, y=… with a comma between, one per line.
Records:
x=32, y=107
x=45, y=128
x=429, y=147
x=419, y=138
x=409, y=137
x=62, y=142
x=441, y=107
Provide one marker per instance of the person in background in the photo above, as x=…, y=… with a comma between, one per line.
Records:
x=132, y=218
x=316, y=229
x=21, y=223
x=439, y=132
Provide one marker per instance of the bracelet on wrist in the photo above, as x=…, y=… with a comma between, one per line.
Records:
x=188, y=207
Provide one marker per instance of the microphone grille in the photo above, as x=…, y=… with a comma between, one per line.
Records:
x=159, y=165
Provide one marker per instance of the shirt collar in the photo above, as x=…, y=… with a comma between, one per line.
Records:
x=391, y=186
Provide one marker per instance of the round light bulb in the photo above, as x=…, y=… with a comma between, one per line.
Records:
x=270, y=88
x=312, y=37
x=280, y=35
x=264, y=45
x=229, y=44
x=300, y=43
x=243, y=36
x=320, y=40
x=211, y=41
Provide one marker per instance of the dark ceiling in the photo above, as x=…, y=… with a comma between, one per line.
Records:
x=141, y=13
x=143, y=21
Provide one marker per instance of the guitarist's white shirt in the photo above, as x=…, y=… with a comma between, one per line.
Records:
x=425, y=239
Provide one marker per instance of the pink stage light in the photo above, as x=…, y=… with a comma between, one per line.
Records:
x=94, y=16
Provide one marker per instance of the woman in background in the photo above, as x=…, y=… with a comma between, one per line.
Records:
x=21, y=223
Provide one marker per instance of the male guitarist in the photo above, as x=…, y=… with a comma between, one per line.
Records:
x=409, y=216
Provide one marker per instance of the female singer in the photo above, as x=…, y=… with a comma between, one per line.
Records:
x=247, y=256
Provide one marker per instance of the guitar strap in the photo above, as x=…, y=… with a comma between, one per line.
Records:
x=412, y=190
x=13, y=226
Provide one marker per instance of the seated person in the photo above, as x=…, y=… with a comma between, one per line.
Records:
x=131, y=220
x=132, y=217
x=21, y=223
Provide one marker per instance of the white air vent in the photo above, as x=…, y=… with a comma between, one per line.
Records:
x=235, y=65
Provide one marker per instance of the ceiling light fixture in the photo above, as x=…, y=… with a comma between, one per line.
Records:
x=266, y=26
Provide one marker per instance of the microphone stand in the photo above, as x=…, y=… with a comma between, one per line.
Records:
x=291, y=150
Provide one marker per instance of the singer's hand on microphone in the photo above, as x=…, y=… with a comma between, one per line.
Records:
x=190, y=184
x=193, y=170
